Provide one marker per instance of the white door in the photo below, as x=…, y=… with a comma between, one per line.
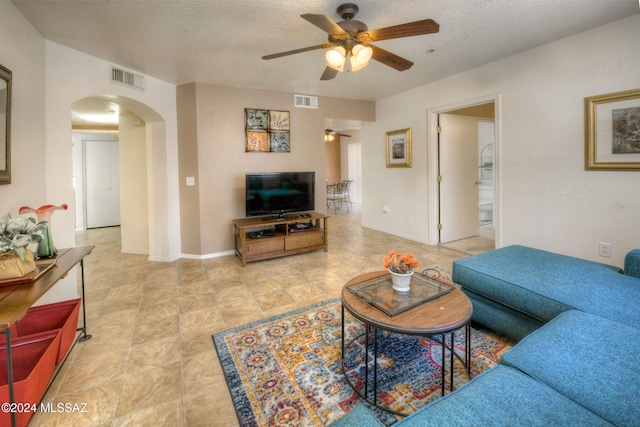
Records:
x=458, y=188
x=102, y=183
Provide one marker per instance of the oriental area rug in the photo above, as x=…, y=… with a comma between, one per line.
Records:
x=287, y=370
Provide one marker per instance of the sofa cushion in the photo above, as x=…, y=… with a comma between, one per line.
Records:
x=632, y=263
x=591, y=360
x=544, y=284
x=358, y=416
x=503, y=397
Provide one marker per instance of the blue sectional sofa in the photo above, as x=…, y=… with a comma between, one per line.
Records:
x=576, y=362
x=517, y=289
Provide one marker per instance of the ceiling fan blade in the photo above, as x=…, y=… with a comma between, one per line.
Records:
x=293, y=52
x=342, y=134
x=326, y=25
x=329, y=73
x=390, y=59
x=426, y=26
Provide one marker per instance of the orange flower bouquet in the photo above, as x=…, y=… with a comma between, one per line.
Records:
x=402, y=264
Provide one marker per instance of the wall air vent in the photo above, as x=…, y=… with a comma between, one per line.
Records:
x=304, y=101
x=126, y=78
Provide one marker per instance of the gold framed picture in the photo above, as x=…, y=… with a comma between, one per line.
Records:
x=612, y=131
x=399, y=148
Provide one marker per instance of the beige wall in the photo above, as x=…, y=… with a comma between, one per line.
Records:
x=333, y=160
x=188, y=167
x=222, y=161
x=22, y=52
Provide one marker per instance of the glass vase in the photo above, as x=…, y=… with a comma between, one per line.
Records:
x=46, y=248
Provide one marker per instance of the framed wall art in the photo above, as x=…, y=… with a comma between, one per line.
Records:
x=5, y=125
x=267, y=130
x=612, y=131
x=399, y=148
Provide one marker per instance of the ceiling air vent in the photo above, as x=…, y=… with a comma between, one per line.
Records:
x=126, y=78
x=303, y=101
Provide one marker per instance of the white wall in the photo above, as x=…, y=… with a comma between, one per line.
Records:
x=546, y=198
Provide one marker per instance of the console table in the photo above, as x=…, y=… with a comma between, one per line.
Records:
x=258, y=239
x=15, y=300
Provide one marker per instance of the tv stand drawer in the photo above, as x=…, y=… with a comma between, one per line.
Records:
x=268, y=244
x=304, y=239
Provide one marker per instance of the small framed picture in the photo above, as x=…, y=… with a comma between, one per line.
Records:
x=612, y=131
x=399, y=148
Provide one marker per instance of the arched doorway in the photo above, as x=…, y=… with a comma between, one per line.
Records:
x=140, y=135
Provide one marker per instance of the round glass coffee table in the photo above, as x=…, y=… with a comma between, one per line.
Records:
x=434, y=310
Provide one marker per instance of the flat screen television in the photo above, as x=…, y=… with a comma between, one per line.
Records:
x=279, y=193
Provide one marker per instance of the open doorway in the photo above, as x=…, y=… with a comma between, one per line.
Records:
x=107, y=124
x=464, y=139
x=343, y=156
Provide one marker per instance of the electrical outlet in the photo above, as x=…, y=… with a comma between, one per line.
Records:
x=605, y=250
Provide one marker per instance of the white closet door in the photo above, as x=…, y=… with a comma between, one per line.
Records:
x=102, y=183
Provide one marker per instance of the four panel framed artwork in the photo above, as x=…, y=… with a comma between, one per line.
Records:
x=267, y=130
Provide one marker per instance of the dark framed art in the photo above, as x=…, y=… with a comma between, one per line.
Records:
x=267, y=130
x=612, y=131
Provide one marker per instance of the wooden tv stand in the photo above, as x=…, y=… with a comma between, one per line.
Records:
x=294, y=234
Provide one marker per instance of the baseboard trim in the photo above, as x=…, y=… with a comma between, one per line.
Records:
x=208, y=256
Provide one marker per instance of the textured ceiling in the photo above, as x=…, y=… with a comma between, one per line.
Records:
x=222, y=41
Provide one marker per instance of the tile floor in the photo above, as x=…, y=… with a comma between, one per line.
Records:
x=151, y=361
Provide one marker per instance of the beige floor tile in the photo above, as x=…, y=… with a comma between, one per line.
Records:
x=168, y=414
x=148, y=388
x=100, y=406
x=146, y=331
x=213, y=400
x=153, y=354
x=92, y=372
x=201, y=371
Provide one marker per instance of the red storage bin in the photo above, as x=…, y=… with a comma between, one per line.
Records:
x=34, y=360
x=60, y=315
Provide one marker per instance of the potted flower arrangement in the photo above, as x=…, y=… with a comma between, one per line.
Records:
x=16, y=260
x=401, y=268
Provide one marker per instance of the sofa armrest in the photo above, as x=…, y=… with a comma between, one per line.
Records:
x=632, y=263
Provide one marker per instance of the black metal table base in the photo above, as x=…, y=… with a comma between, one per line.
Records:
x=440, y=338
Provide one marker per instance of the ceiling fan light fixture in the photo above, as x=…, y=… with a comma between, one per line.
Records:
x=355, y=66
x=361, y=54
x=336, y=56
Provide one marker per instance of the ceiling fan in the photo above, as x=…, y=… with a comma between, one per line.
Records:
x=350, y=41
x=330, y=134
